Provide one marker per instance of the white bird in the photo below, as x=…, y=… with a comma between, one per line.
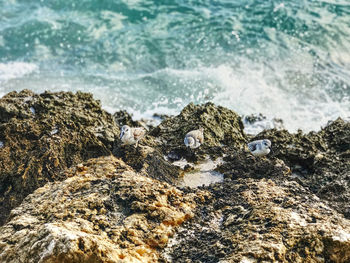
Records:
x=260, y=147
x=194, y=139
x=130, y=135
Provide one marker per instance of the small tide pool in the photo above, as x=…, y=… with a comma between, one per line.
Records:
x=200, y=174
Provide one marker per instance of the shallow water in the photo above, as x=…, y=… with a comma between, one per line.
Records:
x=202, y=174
x=288, y=60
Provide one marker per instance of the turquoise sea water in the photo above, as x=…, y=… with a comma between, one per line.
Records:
x=284, y=59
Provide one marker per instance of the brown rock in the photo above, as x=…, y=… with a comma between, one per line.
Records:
x=106, y=213
x=44, y=134
x=252, y=220
x=320, y=161
x=222, y=127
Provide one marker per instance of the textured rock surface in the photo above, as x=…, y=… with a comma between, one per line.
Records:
x=250, y=220
x=148, y=161
x=44, y=134
x=286, y=207
x=104, y=212
x=123, y=118
x=319, y=161
x=221, y=127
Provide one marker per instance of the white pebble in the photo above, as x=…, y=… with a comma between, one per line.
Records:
x=54, y=131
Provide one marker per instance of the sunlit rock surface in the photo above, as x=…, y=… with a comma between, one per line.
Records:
x=103, y=212
x=162, y=202
x=251, y=220
x=222, y=128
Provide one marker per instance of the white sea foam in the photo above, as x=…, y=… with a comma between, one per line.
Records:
x=32, y=110
x=246, y=87
x=14, y=70
x=251, y=89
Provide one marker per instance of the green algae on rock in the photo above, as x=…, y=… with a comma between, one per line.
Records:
x=42, y=135
x=103, y=212
x=221, y=126
x=121, y=208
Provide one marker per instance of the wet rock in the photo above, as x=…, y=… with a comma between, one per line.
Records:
x=252, y=220
x=42, y=135
x=161, y=117
x=285, y=207
x=104, y=212
x=319, y=161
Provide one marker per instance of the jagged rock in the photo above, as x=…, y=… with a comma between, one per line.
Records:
x=124, y=118
x=277, y=208
x=319, y=161
x=251, y=220
x=242, y=164
x=257, y=123
x=221, y=127
x=148, y=161
x=147, y=158
x=44, y=134
x=104, y=212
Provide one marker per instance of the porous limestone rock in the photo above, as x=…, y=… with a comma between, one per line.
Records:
x=285, y=207
x=103, y=212
x=43, y=134
x=320, y=161
x=259, y=220
x=122, y=117
x=222, y=128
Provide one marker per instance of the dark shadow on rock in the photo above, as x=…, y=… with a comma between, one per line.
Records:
x=242, y=164
x=148, y=161
x=124, y=118
x=223, y=129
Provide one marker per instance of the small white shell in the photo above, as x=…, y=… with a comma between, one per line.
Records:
x=54, y=131
x=32, y=110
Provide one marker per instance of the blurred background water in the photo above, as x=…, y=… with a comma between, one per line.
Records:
x=284, y=59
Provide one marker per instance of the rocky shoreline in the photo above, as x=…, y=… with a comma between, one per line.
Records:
x=70, y=192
